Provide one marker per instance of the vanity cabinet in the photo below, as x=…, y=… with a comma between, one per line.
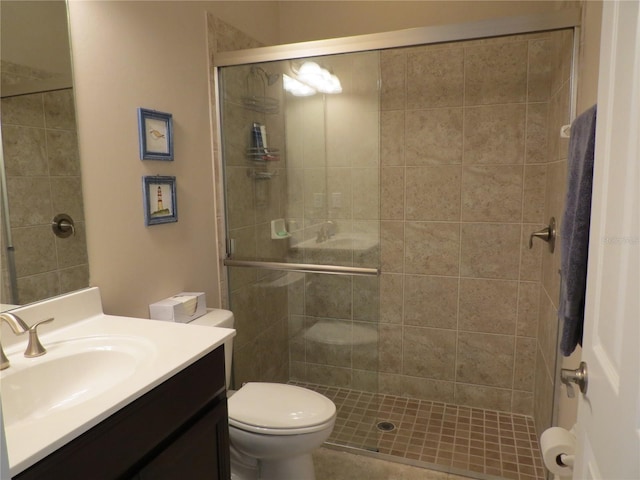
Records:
x=177, y=430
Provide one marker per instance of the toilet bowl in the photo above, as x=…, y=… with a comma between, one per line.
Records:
x=273, y=427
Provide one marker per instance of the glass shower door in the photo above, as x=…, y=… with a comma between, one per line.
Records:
x=301, y=173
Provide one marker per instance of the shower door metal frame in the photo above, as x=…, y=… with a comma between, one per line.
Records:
x=568, y=18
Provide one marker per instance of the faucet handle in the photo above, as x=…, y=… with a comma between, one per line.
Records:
x=34, y=347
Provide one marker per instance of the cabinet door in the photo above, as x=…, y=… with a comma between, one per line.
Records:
x=199, y=453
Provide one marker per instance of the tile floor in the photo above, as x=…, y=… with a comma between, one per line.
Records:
x=444, y=437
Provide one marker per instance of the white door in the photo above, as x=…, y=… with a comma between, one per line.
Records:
x=609, y=414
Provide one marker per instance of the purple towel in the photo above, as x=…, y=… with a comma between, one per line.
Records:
x=575, y=229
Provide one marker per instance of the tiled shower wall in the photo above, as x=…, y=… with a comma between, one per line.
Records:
x=547, y=332
x=465, y=149
x=470, y=166
x=43, y=179
x=259, y=303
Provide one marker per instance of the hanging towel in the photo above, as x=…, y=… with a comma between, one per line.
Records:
x=575, y=230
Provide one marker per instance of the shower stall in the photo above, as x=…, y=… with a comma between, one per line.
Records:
x=379, y=195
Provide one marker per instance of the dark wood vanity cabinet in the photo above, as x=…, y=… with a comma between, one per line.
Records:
x=177, y=430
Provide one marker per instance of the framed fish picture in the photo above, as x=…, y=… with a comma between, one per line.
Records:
x=155, y=130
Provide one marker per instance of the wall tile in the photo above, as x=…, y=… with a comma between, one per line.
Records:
x=390, y=348
x=329, y=375
x=392, y=193
x=536, y=140
x=432, y=248
x=488, y=306
x=522, y=403
x=531, y=258
x=366, y=298
x=25, y=110
x=435, y=78
x=485, y=359
x=62, y=150
x=72, y=251
x=430, y=301
x=392, y=137
x=30, y=201
x=393, y=65
x=66, y=197
x=490, y=250
x=535, y=181
x=391, y=298
x=415, y=387
x=539, y=75
x=392, y=246
x=543, y=397
x=433, y=136
x=330, y=353
x=60, y=110
x=494, y=134
x=483, y=397
x=366, y=193
x=429, y=353
x=496, y=73
x=524, y=371
x=33, y=250
x=492, y=193
x=328, y=296
x=433, y=193
x=36, y=287
x=24, y=150
x=528, y=305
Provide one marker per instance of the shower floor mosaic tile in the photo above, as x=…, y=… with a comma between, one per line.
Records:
x=436, y=435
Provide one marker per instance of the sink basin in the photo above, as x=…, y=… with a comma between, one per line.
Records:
x=72, y=372
x=341, y=241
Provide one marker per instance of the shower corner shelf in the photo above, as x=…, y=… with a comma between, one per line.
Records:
x=263, y=155
x=258, y=174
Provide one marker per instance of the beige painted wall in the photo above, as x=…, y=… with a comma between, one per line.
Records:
x=313, y=20
x=148, y=54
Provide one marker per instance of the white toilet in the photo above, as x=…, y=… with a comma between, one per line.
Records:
x=273, y=427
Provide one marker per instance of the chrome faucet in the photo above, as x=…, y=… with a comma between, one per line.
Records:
x=326, y=231
x=34, y=347
x=18, y=326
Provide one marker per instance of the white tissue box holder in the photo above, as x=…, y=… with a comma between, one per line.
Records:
x=176, y=309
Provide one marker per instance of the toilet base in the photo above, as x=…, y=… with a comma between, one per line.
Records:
x=299, y=468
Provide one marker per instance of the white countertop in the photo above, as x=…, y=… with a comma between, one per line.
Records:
x=171, y=348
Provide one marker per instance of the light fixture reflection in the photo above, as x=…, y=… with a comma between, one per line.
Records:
x=296, y=88
x=319, y=78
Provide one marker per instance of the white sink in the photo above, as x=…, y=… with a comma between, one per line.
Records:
x=70, y=373
x=95, y=365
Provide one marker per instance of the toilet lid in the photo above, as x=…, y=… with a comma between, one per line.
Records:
x=276, y=408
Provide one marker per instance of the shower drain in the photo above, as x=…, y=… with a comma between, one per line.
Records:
x=386, y=426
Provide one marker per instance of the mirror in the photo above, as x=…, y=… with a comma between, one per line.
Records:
x=39, y=160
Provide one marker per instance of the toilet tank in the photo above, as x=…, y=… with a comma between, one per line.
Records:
x=216, y=317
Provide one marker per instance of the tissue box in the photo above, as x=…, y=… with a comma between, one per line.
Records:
x=181, y=308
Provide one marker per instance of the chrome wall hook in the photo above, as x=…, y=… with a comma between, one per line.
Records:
x=548, y=234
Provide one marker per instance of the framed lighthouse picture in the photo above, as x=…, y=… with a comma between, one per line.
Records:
x=160, y=205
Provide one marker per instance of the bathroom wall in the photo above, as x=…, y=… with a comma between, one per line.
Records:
x=314, y=20
x=43, y=180
x=149, y=54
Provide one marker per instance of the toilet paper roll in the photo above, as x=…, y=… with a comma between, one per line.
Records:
x=556, y=441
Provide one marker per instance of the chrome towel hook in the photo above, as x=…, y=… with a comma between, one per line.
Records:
x=548, y=234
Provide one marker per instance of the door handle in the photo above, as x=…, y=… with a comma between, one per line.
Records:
x=579, y=376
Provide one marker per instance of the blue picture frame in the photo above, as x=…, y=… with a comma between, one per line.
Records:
x=160, y=202
x=155, y=132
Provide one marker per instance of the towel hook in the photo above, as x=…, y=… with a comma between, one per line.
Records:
x=548, y=234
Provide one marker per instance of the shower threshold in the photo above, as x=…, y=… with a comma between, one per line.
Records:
x=485, y=444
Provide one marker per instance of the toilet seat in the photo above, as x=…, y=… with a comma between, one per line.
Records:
x=279, y=409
